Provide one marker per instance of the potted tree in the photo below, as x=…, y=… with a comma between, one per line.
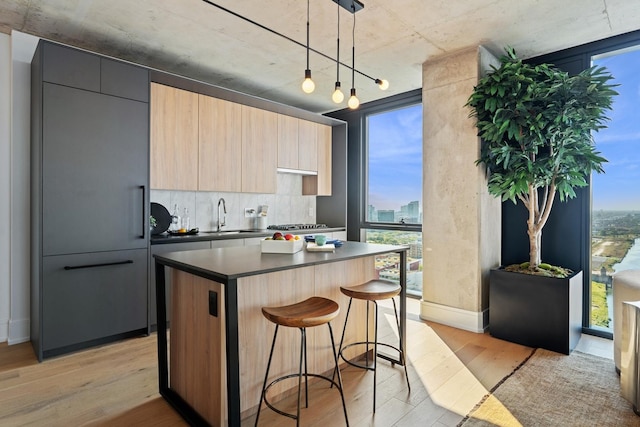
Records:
x=536, y=125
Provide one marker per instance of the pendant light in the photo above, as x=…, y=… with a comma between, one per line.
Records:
x=308, y=85
x=383, y=84
x=338, y=96
x=353, y=102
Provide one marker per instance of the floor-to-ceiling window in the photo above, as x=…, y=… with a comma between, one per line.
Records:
x=392, y=202
x=615, y=195
x=604, y=219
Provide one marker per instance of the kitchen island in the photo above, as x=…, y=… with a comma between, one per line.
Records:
x=212, y=369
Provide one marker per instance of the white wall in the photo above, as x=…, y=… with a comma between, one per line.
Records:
x=5, y=182
x=22, y=48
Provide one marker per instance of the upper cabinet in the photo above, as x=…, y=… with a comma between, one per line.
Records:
x=287, y=142
x=202, y=143
x=308, y=145
x=298, y=143
x=174, y=138
x=220, y=142
x=320, y=184
x=259, y=150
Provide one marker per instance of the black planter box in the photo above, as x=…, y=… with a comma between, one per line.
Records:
x=536, y=311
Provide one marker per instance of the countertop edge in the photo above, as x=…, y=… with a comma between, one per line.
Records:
x=168, y=260
x=164, y=239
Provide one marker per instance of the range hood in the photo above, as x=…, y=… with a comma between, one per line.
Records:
x=297, y=171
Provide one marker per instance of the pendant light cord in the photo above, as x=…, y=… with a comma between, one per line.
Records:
x=338, y=49
x=307, y=34
x=264, y=27
x=353, y=53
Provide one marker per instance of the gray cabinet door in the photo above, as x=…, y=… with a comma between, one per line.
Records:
x=71, y=67
x=91, y=296
x=95, y=170
x=125, y=80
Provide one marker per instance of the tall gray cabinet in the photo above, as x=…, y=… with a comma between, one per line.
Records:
x=90, y=189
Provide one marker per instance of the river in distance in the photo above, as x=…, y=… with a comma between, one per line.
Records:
x=631, y=260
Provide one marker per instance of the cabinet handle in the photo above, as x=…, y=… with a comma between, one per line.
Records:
x=105, y=264
x=144, y=203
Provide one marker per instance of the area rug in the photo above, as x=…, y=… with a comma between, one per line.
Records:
x=552, y=389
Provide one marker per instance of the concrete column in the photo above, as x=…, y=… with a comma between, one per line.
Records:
x=461, y=221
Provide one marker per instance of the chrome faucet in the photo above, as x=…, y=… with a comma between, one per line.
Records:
x=222, y=219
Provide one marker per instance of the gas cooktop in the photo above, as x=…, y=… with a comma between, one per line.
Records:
x=296, y=226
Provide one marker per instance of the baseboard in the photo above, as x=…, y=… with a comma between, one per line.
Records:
x=19, y=331
x=451, y=316
x=4, y=329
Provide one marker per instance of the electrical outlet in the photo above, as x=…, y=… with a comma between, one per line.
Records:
x=249, y=212
x=310, y=211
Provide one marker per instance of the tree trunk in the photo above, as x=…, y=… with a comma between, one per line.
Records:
x=534, y=248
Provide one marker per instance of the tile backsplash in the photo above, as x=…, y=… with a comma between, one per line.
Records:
x=287, y=206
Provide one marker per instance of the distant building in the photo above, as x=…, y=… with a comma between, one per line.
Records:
x=410, y=213
x=372, y=213
x=415, y=250
x=386, y=215
x=413, y=209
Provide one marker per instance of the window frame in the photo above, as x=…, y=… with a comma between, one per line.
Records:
x=381, y=108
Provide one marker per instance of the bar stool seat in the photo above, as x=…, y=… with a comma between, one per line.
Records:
x=314, y=311
x=373, y=291
x=311, y=312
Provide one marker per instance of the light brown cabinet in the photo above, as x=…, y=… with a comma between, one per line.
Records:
x=308, y=133
x=174, y=138
x=298, y=143
x=220, y=145
x=320, y=185
x=259, y=150
x=201, y=143
x=287, y=142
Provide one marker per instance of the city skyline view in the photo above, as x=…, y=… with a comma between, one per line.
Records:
x=395, y=158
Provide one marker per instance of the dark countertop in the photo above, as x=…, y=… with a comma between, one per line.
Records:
x=164, y=238
x=224, y=264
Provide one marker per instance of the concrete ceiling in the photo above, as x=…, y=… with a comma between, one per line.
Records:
x=392, y=38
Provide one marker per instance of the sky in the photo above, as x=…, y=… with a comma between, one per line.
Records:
x=619, y=187
x=395, y=158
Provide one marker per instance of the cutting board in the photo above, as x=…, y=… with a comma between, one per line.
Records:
x=327, y=247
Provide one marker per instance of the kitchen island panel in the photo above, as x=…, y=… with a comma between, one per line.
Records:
x=197, y=357
x=255, y=332
x=328, y=279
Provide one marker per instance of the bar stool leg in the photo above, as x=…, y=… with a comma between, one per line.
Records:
x=344, y=329
x=266, y=375
x=402, y=355
x=375, y=352
x=335, y=358
x=303, y=344
x=366, y=353
x=306, y=372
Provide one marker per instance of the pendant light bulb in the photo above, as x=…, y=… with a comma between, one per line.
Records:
x=308, y=85
x=383, y=84
x=353, y=102
x=337, y=96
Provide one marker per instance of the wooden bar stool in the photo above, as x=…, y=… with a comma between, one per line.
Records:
x=314, y=311
x=373, y=291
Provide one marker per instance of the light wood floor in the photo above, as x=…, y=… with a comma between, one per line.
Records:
x=450, y=371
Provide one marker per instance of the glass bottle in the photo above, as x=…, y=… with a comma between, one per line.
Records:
x=175, y=219
x=185, y=220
